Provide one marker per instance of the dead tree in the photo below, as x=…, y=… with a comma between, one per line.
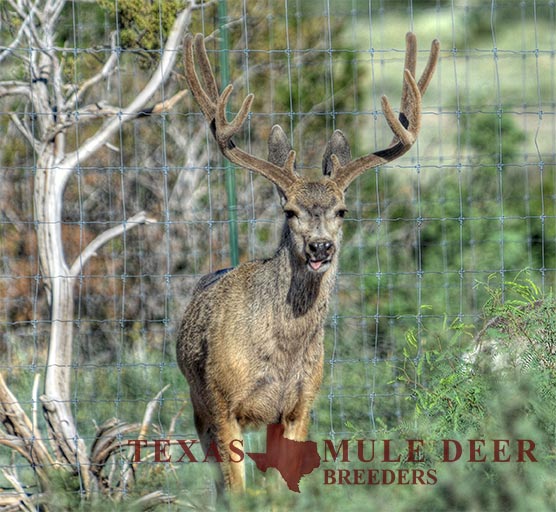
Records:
x=56, y=107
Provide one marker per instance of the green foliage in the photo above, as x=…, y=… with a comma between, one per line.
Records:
x=509, y=298
x=142, y=25
x=460, y=394
x=447, y=392
x=453, y=387
x=65, y=491
x=523, y=332
x=495, y=138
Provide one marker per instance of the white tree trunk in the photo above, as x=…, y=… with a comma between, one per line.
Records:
x=48, y=196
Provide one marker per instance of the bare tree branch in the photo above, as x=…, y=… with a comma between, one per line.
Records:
x=149, y=411
x=147, y=420
x=53, y=9
x=134, y=109
x=109, y=441
x=15, y=88
x=20, y=34
x=25, y=503
x=100, y=240
x=108, y=69
x=35, y=144
x=99, y=110
x=164, y=106
x=68, y=446
x=19, y=433
x=14, y=443
x=26, y=13
x=153, y=499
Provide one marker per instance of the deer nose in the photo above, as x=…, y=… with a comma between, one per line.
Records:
x=321, y=249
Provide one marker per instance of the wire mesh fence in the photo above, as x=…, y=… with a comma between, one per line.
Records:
x=469, y=208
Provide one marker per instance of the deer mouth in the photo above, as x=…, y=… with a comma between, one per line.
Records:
x=318, y=265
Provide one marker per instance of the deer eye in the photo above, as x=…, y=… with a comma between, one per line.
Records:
x=341, y=213
x=290, y=214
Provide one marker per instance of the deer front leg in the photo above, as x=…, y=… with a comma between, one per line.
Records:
x=218, y=438
x=228, y=437
x=296, y=421
x=296, y=424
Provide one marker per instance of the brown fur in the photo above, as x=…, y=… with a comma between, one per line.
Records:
x=251, y=343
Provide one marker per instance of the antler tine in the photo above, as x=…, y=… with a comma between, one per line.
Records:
x=205, y=67
x=213, y=106
x=408, y=103
x=226, y=130
x=206, y=102
x=410, y=64
x=426, y=76
x=405, y=127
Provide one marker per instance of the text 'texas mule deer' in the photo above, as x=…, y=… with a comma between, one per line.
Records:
x=251, y=340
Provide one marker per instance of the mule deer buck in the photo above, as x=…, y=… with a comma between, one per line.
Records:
x=251, y=340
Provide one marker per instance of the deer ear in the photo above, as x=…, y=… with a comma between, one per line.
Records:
x=339, y=146
x=279, y=148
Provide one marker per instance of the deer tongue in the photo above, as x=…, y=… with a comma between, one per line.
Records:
x=315, y=265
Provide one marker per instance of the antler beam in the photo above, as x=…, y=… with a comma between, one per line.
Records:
x=405, y=127
x=213, y=106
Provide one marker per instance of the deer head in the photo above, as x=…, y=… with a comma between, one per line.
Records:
x=314, y=209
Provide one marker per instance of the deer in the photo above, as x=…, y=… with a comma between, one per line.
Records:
x=251, y=340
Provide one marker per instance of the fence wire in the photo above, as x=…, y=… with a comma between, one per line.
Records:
x=426, y=239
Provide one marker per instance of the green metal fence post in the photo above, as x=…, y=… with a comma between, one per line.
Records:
x=229, y=168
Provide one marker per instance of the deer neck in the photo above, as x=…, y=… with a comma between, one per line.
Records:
x=305, y=292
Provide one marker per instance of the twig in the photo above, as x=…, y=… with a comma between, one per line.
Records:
x=103, y=238
x=24, y=131
x=164, y=106
x=36, y=402
x=107, y=70
x=174, y=420
x=14, y=88
x=26, y=17
x=24, y=502
x=147, y=419
x=153, y=499
x=149, y=411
